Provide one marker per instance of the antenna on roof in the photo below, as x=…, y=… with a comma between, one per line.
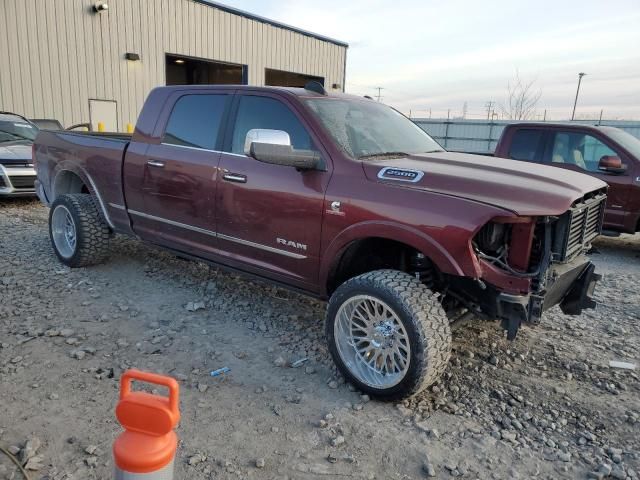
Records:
x=314, y=86
x=368, y=97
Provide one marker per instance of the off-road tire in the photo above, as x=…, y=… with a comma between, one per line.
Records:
x=92, y=232
x=420, y=312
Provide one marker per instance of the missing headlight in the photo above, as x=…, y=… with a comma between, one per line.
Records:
x=492, y=238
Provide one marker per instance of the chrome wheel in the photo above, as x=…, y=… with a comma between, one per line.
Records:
x=372, y=341
x=63, y=231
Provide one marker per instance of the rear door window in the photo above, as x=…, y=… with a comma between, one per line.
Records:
x=527, y=145
x=195, y=121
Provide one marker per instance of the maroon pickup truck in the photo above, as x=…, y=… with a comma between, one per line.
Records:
x=339, y=197
x=607, y=153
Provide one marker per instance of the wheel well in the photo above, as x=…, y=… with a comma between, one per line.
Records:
x=375, y=253
x=68, y=182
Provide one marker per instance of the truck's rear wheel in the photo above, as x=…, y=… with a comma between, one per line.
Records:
x=79, y=235
x=388, y=334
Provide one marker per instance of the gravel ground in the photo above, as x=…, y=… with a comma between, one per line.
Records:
x=545, y=406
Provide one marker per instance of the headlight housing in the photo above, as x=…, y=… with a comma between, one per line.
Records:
x=507, y=242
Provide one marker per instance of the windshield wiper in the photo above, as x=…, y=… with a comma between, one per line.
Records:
x=383, y=154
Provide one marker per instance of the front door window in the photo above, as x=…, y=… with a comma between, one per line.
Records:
x=579, y=149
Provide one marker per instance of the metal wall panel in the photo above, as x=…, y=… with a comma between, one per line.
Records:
x=57, y=55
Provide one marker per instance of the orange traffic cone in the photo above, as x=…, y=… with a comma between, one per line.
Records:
x=147, y=448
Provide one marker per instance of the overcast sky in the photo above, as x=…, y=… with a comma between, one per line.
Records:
x=438, y=55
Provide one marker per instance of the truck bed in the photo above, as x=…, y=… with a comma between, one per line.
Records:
x=97, y=156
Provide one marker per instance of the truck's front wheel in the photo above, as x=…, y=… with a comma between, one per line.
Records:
x=388, y=334
x=79, y=235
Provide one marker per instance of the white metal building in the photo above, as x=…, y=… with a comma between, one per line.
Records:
x=71, y=61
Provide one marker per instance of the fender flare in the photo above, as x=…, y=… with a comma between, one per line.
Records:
x=392, y=231
x=74, y=168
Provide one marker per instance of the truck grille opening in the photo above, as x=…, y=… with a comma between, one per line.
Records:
x=579, y=226
x=23, y=181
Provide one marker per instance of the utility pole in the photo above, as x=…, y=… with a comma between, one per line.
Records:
x=379, y=96
x=580, y=75
x=489, y=106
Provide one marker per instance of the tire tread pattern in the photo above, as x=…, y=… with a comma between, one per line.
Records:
x=92, y=233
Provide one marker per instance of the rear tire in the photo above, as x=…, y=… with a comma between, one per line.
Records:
x=388, y=334
x=79, y=235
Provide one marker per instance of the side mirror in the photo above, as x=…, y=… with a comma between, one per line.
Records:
x=612, y=164
x=264, y=135
x=284, y=155
x=274, y=146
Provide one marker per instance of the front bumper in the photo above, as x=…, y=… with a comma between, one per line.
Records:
x=570, y=285
x=17, y=181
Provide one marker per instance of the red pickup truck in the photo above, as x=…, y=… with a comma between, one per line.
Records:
x=607, y=153
x=339, y=197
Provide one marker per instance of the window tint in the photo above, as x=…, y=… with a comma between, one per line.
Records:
x=264, y=112
x=579, y=149
x=525, y=145
x=195, y=121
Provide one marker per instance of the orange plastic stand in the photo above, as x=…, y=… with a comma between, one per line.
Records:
x=148, y=443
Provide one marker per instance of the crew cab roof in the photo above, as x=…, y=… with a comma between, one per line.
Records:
x=297, y=91
x=559, y=125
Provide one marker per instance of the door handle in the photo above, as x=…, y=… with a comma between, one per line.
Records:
x=155, y=163
x=235, y=177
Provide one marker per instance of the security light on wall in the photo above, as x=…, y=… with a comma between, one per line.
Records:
x=100, y=7
x=134, y=57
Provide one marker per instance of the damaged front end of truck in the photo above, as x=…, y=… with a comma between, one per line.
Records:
x=530, y=264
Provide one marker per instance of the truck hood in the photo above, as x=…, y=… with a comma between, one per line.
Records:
x=524, y=188
x=15, y=153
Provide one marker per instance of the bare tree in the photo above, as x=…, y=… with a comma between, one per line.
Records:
x=522, y=99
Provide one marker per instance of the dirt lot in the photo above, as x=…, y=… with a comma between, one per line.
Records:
x=544, y=406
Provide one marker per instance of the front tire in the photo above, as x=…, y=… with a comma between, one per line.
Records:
x=78, y=233
x=388, y=334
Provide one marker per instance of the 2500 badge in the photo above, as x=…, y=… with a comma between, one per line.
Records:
x=391, y=173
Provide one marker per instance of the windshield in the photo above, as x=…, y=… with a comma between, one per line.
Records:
x=368, y=129
x=628, y=141
x=18, y=130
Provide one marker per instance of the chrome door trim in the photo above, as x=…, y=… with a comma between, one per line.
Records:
x=261, y=246
x=205, y=150
x=219, y=235
x=172, y=222
x=115, y=205
x=190, y=148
